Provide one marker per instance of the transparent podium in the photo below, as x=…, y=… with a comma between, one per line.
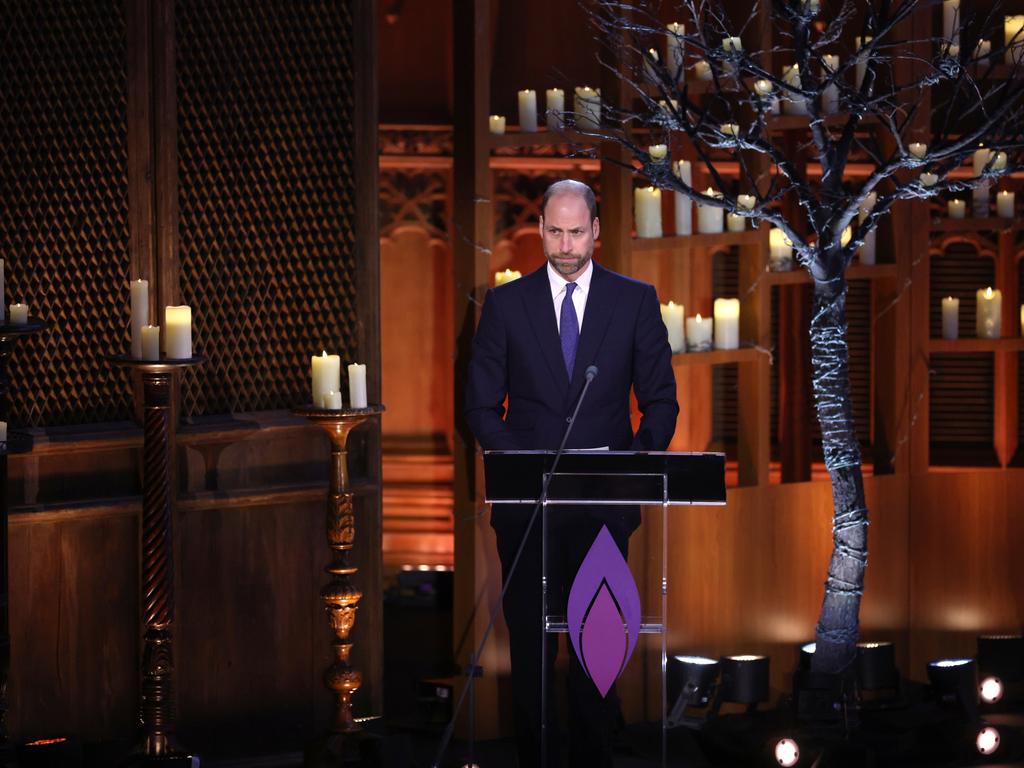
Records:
x=604, y=584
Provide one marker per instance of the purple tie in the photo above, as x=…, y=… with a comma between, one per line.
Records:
x=569, y=329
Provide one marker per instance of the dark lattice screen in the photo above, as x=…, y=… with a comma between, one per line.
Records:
x=63, y=205
x=267, y=195
x=725, y=282
x=961, y=399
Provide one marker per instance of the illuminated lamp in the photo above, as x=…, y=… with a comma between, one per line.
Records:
x=987, y=740
x=1001, y=656
x=876, y=666
x=991, y=690
x=57, y=752
x=955, y=681
x=690, y=684
x=807, y=654
x=786, y=753
x=744, y=680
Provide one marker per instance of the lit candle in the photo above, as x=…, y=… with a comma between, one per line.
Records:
x=497, y=124
x=866, y=253
x=1013, y=34
x=830, y=95
x=730, y=129
x=664, y=105
x=951, y=20
x=702, y=70
x=18, y=314
x=950, y=318
x=710, y=218
x=140, y=314
x=727, y=323
x=813, y=7
x=675, y=50
x=735, y=222
x=658, y=152
x=554, y=102
x=500, y=278
x=983, y=49
x=683, y=204
x=698, y=333
x=587, y=105
x=150, y=336
x=929, y=179
x=1004, y=204
x=647, y=211
x=999, y=161
x=766, y=95
x=780, y=251
x=332, y=400
x=672, y=316
x=651, y=61
x=989, y=313
x=178, y=332
x=917, y=150
x=357, y=385
x=1022, y=320
x=980, y=159
x=957, y=209
x=3, y=431
x=326, y=377
x=528, y=110
x=794, y=104
x=732, y=45
x=862, y=59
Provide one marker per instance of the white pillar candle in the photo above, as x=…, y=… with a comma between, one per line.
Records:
x=862, y=58
x=698, y=333
x=951, y=20
x=672, y=316
x=727, y=323
x=683, y=204
x=980, y=160
x=793, y=105
x=953, y=51
x=999, y=161
x=735, y=223
x=332, y=400
x=675, y=50
x=500, y=278
x=664, y=105
x=830, y=94
x=18, y=314
x=710, y=218
x=780, y=251
x=140, y=314
x=587, y=105
x=702, y=70
x=178, y=332
x=496, y=124
x=554, y=104
x=732, y=45
x=917, y=150
x=326, y=371
x=950, y=318
x=766, y=96
x=1004, y=204
x=989, y=313
x=813, y=7
x=658, y=152
x=651, y=61
x=150, y=338
x=929, y=179
x=527, y=110
x=1022, y=320
x=647, y=211
x=866, y=253
x=983, y=49
x=957, y=209
x=1013, y=35
x=730, y=129
x=3, y=431
x=357, y=385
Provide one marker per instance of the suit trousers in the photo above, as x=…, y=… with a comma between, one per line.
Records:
x=591, y=718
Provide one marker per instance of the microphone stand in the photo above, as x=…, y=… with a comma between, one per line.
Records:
x=472, y=671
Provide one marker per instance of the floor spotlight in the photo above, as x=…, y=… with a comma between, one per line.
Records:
x=987, y=740
x=991, y=690
x=787, y=753
x=955, y=681
x=691, y=684
x=1002, y=655
x=876, y=667
x=744, y=680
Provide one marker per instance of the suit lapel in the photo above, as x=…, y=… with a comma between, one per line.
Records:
x=541, y=311
x=596, y=317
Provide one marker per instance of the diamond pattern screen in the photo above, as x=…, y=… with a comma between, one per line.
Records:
x=266, y=196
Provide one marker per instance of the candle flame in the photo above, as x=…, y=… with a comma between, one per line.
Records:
x=324, y=353
x=698, y=317
x=988, y=292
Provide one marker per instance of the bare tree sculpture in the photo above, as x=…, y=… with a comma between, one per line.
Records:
x=885, y=70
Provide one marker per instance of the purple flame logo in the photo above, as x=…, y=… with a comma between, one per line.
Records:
x=604, y=612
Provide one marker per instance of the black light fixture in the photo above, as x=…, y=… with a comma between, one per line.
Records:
x=744, y=680
x=876, y=667
x=955, y=682
x=1001, y=656
x=690, y=686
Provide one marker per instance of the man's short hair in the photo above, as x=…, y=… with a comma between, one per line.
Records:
x=571, y=187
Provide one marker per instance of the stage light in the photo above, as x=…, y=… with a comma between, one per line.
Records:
x=991, y=690
x=876, y=666
x=787, y=753
x=691, y=683
x=807, y=654
x=745, y=679
x=955, y=681
x=987, y=740
x=1002, y=655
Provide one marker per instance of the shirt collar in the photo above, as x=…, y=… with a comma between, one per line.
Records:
x=558, y=282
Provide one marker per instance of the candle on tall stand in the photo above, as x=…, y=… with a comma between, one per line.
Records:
x=527, y=110
x=17, y=314
x=951, y=20
x=357, y=385
x=1004, y=204
x=554, y=106
x=794, y=103
x=866, y=253
x=710, y=218
x=727, y=323
x=587, y=106
x=675, y=51
x=989, y=313
x=780, y=251
x=698, y=333
x=150, y=336
x=1013, y=35
x=672, y=315
x=830, y=94
x=647, y=211
x=140, y=314
x=862, y=58
x=178, y=332
x=683, y=204
x=950, y=318
x=326, y=375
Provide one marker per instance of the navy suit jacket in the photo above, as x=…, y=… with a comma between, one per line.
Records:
x=517, y=352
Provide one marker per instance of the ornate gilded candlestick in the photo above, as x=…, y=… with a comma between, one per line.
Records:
x=157, y=554
x=340, y=596
x=9, y=336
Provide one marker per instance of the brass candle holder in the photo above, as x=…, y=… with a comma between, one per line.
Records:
x=340, y=596
x=156, y=695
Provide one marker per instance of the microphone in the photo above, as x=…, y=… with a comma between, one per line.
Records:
x=591, y=373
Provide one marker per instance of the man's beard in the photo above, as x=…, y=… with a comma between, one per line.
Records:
x=560, y=262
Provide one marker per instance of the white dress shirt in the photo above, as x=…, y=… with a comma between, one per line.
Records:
x=579, y=294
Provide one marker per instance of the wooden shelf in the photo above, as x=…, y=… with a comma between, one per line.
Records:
x=965, y=346
x=799, y=276
x=989, y=224
x=702, y=240
x=540, y=138
x=718, y=356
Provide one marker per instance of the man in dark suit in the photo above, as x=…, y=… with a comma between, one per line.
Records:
x=536, y=338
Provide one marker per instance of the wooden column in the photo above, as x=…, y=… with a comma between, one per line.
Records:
x=1007, y=362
